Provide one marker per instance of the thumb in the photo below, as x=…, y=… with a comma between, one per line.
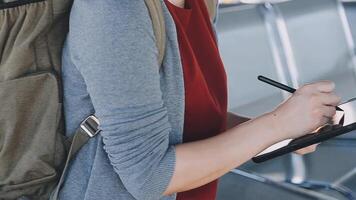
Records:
x=325, y=86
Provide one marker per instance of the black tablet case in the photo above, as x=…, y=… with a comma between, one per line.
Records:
x=305, y=141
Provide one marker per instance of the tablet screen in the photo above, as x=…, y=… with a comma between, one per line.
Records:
x=349, y=114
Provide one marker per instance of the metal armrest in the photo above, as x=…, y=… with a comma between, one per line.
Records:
x=251, y=186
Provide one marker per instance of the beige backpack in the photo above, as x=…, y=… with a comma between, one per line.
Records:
x=34, y=152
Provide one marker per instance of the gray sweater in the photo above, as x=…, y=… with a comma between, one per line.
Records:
x=110, y=68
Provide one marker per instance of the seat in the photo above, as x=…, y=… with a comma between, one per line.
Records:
x=350, y=8
x=320, y=43
x=245, y=46
x=242, y=185
x=295, y=42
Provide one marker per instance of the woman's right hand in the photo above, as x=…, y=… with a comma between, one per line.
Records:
x=309, y=108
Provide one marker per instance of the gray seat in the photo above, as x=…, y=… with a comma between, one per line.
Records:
x=242, y=185
x=245, y=48
x=321, y=44
x=310, y=41
x=332, y=163
x=350, y=8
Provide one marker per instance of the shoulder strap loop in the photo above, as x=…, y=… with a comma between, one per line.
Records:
x=156, y=13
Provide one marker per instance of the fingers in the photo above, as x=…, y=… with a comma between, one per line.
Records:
x=325, y=86
x=306, y=150
x=329, y=99
x=319, y=122
x=318, y=87
x=328, y=111
x=325, y=120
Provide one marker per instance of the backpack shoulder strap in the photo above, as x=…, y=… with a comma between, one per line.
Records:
x=211, y=5
x=159, y=28
x=158, y=23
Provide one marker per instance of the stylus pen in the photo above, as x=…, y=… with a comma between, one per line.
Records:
x=280, y=86
x=276, y=84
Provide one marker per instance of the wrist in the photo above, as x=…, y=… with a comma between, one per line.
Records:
x=275, y=125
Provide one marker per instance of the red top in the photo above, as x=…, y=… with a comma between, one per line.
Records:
x=204, y=79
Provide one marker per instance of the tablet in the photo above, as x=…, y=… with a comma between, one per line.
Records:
x=343, y=122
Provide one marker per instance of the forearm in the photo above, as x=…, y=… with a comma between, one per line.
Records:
x=201, y=162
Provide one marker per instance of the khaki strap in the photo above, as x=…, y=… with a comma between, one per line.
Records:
x=158, y=23
x=79, y=140
x=159, y=28
x=211, y=5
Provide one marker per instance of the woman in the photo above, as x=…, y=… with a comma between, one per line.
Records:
x=163, y=127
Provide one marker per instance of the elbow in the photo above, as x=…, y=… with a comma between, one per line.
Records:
x=150, y=182
x=139, y=150
x=168, y=192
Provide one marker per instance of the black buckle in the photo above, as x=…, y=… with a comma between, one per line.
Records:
x=90, y=126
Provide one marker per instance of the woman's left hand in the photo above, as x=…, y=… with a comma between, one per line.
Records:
x=306, y=150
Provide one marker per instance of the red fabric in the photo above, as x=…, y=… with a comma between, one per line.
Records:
x=204, y=79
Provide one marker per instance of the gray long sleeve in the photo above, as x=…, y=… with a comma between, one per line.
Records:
x=113, y=46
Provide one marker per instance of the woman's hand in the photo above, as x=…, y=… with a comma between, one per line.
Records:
x=306, y=150
x=309, y=108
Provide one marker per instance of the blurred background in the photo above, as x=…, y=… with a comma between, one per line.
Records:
x=294, y=42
